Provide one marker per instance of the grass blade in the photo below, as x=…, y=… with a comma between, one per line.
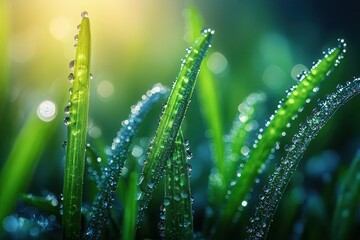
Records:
x=130, y=209
x=347, y=202
x=239, y=133
x=48, y=204
x=21, y=162
x=208, y=96
x=171, y=119
x=296, y=99
x=76, y=137
x=118, y=154
x=273, y=191
x=177, y=203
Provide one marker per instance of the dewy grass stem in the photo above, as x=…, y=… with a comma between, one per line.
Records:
x=76, y=138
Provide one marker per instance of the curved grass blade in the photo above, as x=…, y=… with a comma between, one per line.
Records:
x=347, y=202
x=21, y=162
x=171, y=119
x=178, y=222
x=130, y=209
x=296, y=99
x=239, y=133
x=277, y=182
x=76, y=137
x=118, y=154
x=48, y=204
x=208, y=96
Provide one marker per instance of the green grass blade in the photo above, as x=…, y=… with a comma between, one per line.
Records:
x=239, y=133
x=277, y=182
x=208, y=95
x=118, y=154
x=130, y=210
x=76, y=136
x=347, y=202
x=295, y=100
x=171, y=119
x=48, y=204
x=177, y=202
x=20, y=164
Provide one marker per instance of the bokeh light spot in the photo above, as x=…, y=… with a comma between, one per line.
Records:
x=59, y=27
x=217, y=63
x=105, y=89
x=47, y=111
x=274, y=77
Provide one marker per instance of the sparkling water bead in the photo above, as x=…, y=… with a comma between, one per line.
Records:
x=84, y=14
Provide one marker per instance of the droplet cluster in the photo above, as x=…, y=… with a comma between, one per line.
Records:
x=117, y=155
x=308, y=130
x=176, y=211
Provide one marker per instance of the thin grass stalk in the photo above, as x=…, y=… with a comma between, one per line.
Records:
x=22, y=160
x=77, y=123
x=347, y=202
x=117, y=156
x=171, y=119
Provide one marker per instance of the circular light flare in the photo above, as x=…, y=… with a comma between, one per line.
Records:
x=217, y=63
x=47, y=111
x=105, y=89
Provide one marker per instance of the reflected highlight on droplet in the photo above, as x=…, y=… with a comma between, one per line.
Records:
x=47, y=111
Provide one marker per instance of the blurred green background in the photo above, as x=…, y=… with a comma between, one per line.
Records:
x=258, y=45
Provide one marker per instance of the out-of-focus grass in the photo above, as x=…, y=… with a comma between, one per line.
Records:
x=22, y=160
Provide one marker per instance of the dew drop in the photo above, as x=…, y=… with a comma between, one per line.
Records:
x=72, y=64
x=64, y=143
x=91, y=76
x=166, y=202
x=71, y=77
x=84, y=14
x=67, y=109
x=67, y=121
x=76, y=37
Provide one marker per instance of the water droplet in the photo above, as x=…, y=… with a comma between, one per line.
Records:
x=84, y=14
x=72, y=64
x=64, y=143
x=67, y=109
x=67, y=121
x=166, y=202
x=91, y=76
x=76, y=37
x=71, y=77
